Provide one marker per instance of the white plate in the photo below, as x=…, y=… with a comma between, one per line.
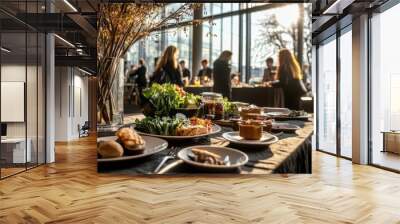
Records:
x=266, y=139
x=215, y=129
x=236, y=157
x=153, y=145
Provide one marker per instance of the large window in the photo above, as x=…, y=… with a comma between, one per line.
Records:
x=346, y=94
x=327, y=96
x=220, y=35
x=385, y=84
x=334, y=109
x=251, y=31
x=272, y=30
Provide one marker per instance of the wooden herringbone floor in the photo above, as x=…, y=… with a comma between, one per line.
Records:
x=71, y=191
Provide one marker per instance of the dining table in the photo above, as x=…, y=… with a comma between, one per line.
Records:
x=291, y=154
x=257, y=95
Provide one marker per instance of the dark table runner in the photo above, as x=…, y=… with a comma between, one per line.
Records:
x=290, y=160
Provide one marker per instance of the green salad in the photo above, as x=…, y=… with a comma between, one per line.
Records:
x=229, y=108
x=159, y=126
x=169, y=97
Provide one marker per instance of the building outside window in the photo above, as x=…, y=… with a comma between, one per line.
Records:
x=272, y=30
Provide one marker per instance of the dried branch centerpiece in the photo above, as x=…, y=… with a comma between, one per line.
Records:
x=121, y=26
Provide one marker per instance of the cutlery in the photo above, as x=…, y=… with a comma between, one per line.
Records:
x=170, y=166
x=171, y=155
x=227, y=161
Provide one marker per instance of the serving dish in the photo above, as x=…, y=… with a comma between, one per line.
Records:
x=285, y=127
x=153, y=146
x=265, y=140
x=235, y=157
x=214, y=130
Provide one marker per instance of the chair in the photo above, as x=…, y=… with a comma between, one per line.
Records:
x=84, y=130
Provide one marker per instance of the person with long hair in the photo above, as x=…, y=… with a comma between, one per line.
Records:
x=222, y=74
x=289, y=79
x=167, y=68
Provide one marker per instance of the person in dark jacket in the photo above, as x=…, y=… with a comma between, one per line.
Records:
x=186, y=77
x=205, y=72
x=289, y=79
x=185, y=71
x=222, y=74
x=167, y=68
x=139, y=75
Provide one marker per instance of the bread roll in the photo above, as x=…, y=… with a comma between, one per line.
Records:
x=125, y=134
x=110, y=149
x=132, y=142
x=132, y=146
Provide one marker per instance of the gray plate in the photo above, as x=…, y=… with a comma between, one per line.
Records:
x=266, y=139
x=236, y=157
x=153, y=145
x=215, y=129
x=277, y=114
x=285, y=127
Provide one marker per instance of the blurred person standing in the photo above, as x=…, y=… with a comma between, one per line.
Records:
x=222, y=74
x=185, y=72
x=290, y=79
x=139, y=76
x=269, y=71
x=167, y=68
x=206, y=73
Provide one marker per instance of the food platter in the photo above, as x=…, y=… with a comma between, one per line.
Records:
x=214, y=130
x=265, y=140
x=236, y=158
x=153, y=146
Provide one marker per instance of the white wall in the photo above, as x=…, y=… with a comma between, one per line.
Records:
x=16, y=73
x=71, y=102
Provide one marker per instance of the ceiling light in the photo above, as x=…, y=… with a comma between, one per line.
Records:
x=84, y=71
x=65, y=41
x=337, y=7
x=5, y=50
x=70, y=5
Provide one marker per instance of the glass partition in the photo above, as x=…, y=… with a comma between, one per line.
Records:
x=15, y=151
x=32, y=97
x=22, y=90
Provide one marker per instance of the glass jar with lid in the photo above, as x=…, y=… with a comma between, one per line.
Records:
x=213, y=105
